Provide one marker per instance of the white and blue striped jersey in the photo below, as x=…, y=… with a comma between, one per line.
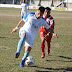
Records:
x=33, y=24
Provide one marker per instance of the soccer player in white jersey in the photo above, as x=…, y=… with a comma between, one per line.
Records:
x=33, y=22
x=23, y=9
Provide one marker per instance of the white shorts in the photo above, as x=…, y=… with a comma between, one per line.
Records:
x=23, y=14
x=29, y=40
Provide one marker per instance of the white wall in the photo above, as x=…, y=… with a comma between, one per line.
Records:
x=69, y=1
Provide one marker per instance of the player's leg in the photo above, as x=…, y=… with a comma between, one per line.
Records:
x=20, y=44
x=22, y=15
x=25, y=13
x=26, y=54
x=48, y=47
x=28, y=46
x=48, y=43
x=42, y=43
x=43, y=47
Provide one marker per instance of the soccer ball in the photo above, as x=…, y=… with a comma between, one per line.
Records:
x=30, y=60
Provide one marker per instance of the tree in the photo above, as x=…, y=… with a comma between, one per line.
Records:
x=52, y=4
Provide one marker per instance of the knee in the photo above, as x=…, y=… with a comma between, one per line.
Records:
x=23, y=34
x=43, y=40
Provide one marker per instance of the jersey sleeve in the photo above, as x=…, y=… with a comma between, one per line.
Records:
x=46, y=25
x=25, y=17
x=52, y=23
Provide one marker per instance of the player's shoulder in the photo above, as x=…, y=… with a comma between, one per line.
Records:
x=29, y=14
x=43, y=18
x=51, y=17
x=22, y=3
x=26, y=3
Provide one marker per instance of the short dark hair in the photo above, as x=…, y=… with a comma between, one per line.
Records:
x=48, y=8
x=42, y=9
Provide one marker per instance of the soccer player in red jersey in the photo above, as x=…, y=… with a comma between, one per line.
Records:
x=44, y=32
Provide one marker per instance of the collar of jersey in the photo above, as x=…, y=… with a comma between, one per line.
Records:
x=36, y=17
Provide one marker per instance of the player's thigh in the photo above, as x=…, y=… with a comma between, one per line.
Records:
x=22, y=33
x=48, y=40
x=27, y=48
x=25, y=13
x=29, y=41
x=42, y=33
x=22, y=13
x=42, y=38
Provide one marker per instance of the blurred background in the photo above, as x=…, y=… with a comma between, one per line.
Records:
x=50, y=3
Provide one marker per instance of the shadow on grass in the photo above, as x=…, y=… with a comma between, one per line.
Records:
x=55, y=69
x=43, y=71
x=10, y=37
x=3, y=37
x=59, y=60
x=65, y=57
x=62, y=60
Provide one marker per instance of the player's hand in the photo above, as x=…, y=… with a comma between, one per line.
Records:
x=55, y=35
x=14, y=30
x=46, y=36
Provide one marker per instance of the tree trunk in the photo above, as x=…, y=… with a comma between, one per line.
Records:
x=39, y=3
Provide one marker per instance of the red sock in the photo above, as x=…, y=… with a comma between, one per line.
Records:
x=48, y=48
x=42, y=46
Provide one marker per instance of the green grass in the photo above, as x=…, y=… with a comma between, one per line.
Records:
x=60, y=59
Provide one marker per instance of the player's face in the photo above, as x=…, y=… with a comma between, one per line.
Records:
x=38, y=14
x=23, y=1
x=47, y=13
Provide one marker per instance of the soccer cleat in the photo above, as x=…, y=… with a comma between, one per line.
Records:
x=48, y=53
x=22, y=63
x=43, y=55
x=17, y=54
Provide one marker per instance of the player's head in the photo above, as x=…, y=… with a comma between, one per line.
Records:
x=47, y=11
x=23, y=1
x=40, y=11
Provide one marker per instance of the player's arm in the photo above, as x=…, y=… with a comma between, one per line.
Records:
x=18, y=25
x=20, y=22
x=50, y=30
x=20, y=10
x=27, y=6
x=46, y=25
x=52, y=24
x=55, y=35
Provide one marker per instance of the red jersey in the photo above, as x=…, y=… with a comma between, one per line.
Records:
x=50, y=21
x=44, y=31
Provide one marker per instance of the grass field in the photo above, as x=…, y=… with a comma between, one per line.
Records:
x=60, y=59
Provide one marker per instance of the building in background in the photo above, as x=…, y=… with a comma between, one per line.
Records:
x=68, y=3
x=54, y=4
x=9, y=1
